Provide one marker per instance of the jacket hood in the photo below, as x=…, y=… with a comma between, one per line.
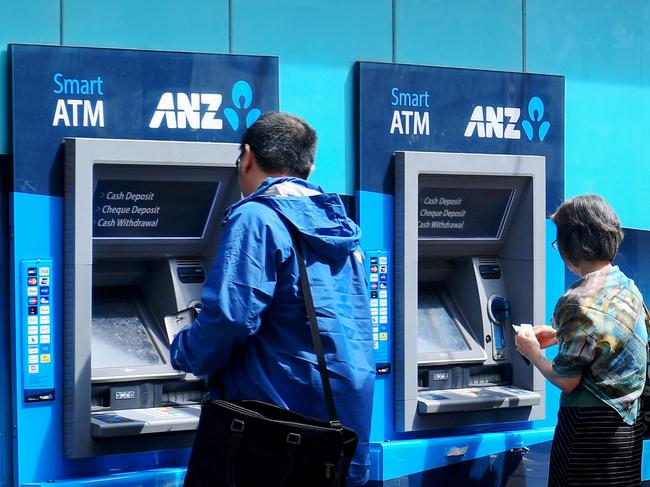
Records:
x=319, y=217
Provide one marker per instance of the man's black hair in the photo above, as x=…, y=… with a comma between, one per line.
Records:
x=282, y=143
x=588, y=229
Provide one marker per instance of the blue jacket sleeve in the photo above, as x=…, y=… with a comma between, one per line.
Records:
x=239, y=287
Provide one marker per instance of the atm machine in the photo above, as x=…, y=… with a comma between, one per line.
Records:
x=469, y=264
x=142, y=221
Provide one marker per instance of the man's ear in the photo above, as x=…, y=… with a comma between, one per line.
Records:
x=312, y=169
x=248, y=158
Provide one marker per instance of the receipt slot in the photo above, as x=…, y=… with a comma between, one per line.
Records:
x=469, y=261
x=142, y=222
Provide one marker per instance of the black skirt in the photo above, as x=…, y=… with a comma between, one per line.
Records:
x=593, y=446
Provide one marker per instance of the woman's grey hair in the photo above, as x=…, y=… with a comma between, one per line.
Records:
x=588, y=229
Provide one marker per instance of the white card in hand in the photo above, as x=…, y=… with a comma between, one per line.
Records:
x=523, y=325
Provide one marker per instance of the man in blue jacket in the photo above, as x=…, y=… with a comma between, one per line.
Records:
x=253, y=331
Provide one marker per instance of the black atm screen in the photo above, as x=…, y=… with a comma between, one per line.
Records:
x=462, y=213
x=150, y=209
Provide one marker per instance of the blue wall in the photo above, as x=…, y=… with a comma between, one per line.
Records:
x=602, y=48
x=603, y=53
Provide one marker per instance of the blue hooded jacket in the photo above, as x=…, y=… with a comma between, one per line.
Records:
x=253, y=331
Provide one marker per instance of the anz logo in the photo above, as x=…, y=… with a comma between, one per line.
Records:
x=501, y=122
x=201, y=110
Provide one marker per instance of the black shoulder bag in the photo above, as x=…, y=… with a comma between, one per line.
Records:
x=251, y=443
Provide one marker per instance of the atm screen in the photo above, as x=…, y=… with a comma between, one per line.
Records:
x=119, y=336
x=463, y=213
x=153, y=202
x=437, y=330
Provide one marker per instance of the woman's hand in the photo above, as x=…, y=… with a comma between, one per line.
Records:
x=527, y=344
x=545, y=335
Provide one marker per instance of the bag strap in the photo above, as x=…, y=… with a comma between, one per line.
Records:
x=315, y=334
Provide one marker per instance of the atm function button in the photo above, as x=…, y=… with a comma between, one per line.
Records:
x=374, y=294
x=32, y=330
x=45, y=338
x=383, y=277
x=32, y=350
x=32, y=320
x=383, y=303
x=383, y=311
x=375, y=336
x=374, y=285
x=31, y=271
x=45, y=281
x=32, y=291
x=32, y=339
x=375, y=320
x=33, y=369
x=44, y=330
x=44, y=300
x=383, y=268
x=375, y=329
x=45, y=320
x=32, y=300
x=383, y=285
x=383, y=320
x=45, y=358
x=374, y=311
x=375, y=345
x=374, y=303
x=44, y=310
x=383, y=336
x=32, y=359
x=45, y=290
x=43, y=271
x=374, y=277
x=383, y=260
x=31, y=281
x=373, y=268
x=383, y=294
x=373, y=260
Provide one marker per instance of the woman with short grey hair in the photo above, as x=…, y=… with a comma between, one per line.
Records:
x=599, y=325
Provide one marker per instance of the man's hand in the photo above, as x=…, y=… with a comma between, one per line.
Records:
x=545, y=335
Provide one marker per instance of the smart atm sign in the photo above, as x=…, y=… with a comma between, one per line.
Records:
x=411, y=114
x=425, y=108
x=84, y=108
x=63, y=92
